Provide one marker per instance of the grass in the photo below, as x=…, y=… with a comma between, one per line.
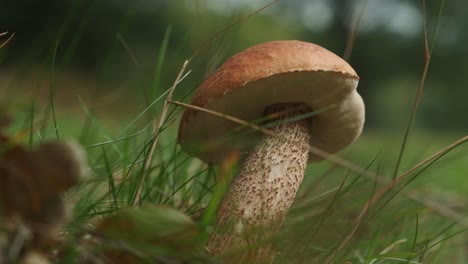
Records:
x=323, y=210
x=339, y=215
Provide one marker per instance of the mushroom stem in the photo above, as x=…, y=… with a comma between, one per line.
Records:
x=255, y=206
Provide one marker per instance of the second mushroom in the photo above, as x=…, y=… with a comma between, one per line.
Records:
x=286, y=78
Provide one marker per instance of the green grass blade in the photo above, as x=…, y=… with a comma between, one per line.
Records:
x=52, y=89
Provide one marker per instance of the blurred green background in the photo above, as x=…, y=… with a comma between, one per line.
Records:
x=115, y=57
x=101, y=64
x=91, y=38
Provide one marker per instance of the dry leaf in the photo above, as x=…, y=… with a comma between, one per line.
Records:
x=30, y=179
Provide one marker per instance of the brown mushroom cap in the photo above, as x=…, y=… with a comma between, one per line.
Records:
x=271, y=73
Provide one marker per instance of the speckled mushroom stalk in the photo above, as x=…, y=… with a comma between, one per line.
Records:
x=255, y=206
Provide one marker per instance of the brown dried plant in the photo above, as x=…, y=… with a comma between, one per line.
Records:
x=32, y=182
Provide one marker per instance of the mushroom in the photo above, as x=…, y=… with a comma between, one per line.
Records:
x=291, y=77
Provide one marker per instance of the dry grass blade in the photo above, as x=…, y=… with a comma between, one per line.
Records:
x=351, y=37
x=6, y=41
x=169, y=96
x=224, y=29
x=323, y=154
x=428, y=203
x=446, y=212
x=432, y=157
x=398, y=179
x=129, y=51
x=427, y=58
x=156, y=133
